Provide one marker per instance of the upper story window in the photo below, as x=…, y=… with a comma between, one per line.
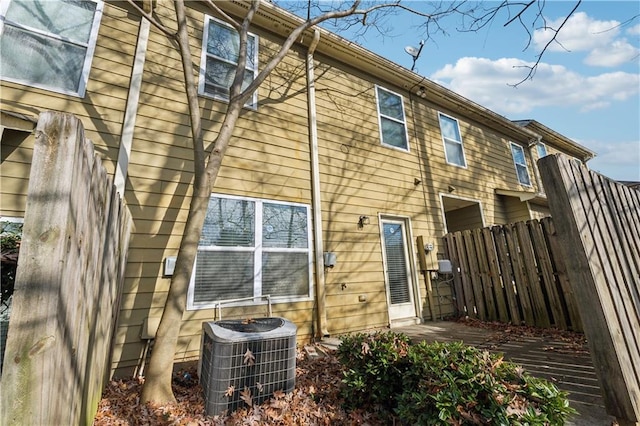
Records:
x=250, y=248
x=542, y=149
x=453, y=149
x=221, y=47
x=520, y=162
x=393, y=126
x=49, y=44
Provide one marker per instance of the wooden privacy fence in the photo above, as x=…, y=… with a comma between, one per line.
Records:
x=69, y=277
x=514, y=274
x=598, y=223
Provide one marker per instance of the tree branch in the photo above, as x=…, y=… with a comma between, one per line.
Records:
x=235, y=24
x=154, y=21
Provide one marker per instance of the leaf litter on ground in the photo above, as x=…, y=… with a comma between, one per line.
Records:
x=315, y=400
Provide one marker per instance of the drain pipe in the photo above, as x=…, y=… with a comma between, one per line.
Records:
x=315, y=189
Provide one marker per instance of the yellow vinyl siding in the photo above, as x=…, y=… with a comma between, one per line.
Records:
x=16, y=151
x=514, y=210
x=268, y=158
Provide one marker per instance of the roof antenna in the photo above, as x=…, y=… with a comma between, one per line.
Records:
x=415, y=53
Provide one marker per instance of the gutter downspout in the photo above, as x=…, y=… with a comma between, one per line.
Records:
x=315, y=189
x=131, y=111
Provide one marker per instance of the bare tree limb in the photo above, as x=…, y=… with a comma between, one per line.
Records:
x=534, y=67
x=231, y=21
x=153, y=20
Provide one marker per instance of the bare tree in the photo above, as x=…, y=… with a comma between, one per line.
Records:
x=344, y=14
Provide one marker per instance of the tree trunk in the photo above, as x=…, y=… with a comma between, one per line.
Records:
x=157, y=387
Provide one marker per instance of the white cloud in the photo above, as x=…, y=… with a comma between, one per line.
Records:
x=487, y=82
x=634, y=31
x=579, y=33
x=617, y=160
x=619, y=52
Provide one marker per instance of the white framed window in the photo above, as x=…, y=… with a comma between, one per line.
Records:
x=249, y=248
x=542, y=149
x=453, y=148
x=520, y=162
x=391, y=119
x=49, y=44
x=220, y=50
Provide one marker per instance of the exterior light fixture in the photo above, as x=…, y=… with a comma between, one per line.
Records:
x=363, y=220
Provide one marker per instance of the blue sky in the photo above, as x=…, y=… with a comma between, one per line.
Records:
x=586, y=89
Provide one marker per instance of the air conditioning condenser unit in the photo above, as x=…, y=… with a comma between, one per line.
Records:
x=246, y=358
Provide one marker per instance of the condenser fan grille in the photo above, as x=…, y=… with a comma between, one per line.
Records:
x=235, y=366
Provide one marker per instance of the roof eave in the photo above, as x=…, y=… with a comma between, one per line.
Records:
x=281, y=22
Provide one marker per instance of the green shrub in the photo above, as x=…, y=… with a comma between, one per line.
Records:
x=374, y=366
x=445, y=383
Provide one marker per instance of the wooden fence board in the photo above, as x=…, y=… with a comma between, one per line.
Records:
x=457, y=281
x=483, y=270
x=58, y=349
x=622, y=201
x=465, y=276
x=516, y=272
x=560, y=272
x=531, y=282
x=494, y=274
x=555, y=304
x=474, y=274
x=520, y=278
x=506, y=269
x=611, y=321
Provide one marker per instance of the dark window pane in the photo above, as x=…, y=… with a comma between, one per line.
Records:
x=285, y=274
x=223, y=275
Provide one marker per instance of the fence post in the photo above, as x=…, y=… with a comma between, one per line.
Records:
x=605, y=280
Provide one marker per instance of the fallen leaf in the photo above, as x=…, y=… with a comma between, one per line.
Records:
x=249, y=358
x=245, y=395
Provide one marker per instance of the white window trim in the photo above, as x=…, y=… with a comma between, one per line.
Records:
x=253, y=103
x=444, y=141
x=403, y=122
x=257, y=300
x=515, y=165
x=88, y=59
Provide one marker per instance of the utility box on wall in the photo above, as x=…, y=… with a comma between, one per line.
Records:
x=426, y=255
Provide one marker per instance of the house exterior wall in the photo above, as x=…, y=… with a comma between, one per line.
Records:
x=16, y=154
x=269, y=158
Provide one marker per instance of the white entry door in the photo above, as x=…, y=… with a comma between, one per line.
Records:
x=397, y=268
